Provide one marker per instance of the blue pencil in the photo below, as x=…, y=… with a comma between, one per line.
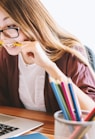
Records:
x=75, y=102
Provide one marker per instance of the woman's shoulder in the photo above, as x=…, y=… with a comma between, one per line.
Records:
x=70, y=64
x=81, y=49
x=5, y=58
x=4, y=54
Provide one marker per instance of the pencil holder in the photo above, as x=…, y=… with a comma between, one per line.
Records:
x=67, y=129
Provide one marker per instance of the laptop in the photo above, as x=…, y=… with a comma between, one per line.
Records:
x=12, y=126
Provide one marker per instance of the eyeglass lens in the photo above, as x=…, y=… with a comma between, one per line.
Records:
x=10, y=32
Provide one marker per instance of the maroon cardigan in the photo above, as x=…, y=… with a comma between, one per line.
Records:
x=70, y=66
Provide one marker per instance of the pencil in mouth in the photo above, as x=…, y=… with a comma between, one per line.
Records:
x=17, y=44
x=14, y=44
x=1, y=43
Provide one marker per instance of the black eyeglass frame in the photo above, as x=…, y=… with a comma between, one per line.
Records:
x=16, y=28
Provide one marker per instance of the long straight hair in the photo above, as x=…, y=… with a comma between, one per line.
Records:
x=38, y=25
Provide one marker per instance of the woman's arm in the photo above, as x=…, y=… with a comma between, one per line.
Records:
x=85, y=101
x=33, y=53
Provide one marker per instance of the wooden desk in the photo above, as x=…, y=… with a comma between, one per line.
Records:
x=48, y=120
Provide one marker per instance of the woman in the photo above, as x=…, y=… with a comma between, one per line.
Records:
x=45, y=49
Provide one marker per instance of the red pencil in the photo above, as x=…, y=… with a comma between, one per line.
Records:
x=68, y=102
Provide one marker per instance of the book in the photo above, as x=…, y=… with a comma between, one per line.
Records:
x=31, y=136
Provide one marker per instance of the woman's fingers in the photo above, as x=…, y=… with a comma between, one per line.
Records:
x=32, y=52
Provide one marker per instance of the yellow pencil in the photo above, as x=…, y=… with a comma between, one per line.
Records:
x=14, y=44
x=17, y=44
x=1, y=43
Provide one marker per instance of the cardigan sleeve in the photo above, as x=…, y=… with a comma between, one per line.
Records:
x=81, y=76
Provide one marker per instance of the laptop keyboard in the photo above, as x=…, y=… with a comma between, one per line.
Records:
x=4, y=129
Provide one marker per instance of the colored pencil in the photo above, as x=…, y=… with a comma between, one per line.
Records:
x=63, y=100
x=90, y=116
x=68, y=102
x=56, y=93
x=78, y=112
x=80, y=131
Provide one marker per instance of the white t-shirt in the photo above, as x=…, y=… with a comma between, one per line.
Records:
x=31, y=85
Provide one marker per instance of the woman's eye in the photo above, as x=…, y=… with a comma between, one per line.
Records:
x=11, y=26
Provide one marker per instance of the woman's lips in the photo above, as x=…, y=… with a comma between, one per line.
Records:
x=10, y=45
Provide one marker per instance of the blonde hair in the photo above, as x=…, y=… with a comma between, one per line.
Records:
x=36, y=23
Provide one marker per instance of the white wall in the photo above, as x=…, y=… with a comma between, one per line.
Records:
x=76, y=16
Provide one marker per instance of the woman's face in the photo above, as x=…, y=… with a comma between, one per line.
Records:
x=6, y=22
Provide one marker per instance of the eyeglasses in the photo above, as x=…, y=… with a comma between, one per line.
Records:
x=12, y=32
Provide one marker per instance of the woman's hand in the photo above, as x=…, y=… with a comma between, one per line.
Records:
x=32, y=52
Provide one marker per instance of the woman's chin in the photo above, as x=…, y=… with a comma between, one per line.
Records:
x=13, y=51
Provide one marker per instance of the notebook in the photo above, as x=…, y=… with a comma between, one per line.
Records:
x=31, y=136
x=12, y=126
